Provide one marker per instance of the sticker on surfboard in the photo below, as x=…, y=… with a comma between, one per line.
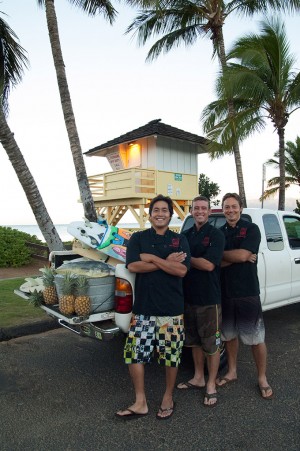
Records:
x=110, y=240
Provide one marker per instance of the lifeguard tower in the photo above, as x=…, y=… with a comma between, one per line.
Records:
x=153, y=159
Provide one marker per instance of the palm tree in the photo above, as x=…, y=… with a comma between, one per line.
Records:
x=263, y=85
x=12, y=62
x=208, y=189
x=183, y=21
x=292, y=169
x=91, y=7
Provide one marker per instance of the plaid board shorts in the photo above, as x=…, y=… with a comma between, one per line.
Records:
x=146, y=332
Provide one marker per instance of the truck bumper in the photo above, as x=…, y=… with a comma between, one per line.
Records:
x=103, y=331
x=106, y=330
x=98, y=325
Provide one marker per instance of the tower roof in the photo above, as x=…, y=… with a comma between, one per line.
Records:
x=154, y=127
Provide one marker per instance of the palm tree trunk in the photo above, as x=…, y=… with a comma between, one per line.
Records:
x=281, y=199
x=236, y=148
x=239, y=173
x=29, y=186
x=82, y=179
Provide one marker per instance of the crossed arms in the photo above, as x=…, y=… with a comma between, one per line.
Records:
x=173, y=264
x=237, y=256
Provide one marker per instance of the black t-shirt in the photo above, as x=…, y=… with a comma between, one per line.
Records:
x=203, y=287
x=157, y=293
x=240, y=279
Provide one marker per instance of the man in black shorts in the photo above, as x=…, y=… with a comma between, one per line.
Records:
x=160, y=258
x=241, y=307
x=202, y=294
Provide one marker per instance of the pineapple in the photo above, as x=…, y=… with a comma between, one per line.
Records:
x=49, y=291
x=82, y=300
x=67, y=299
x=36, y=298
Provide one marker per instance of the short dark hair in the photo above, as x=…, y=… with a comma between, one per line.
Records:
x=159, y=198
x=204, y=198
x=235, y=196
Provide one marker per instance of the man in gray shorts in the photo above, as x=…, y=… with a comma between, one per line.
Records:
x=202, y=296
x=241, y=307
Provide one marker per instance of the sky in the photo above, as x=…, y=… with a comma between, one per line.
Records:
x=114, y=91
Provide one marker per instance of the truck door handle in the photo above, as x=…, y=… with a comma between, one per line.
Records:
x=297, y=261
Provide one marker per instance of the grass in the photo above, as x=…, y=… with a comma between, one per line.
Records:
x=14, y=310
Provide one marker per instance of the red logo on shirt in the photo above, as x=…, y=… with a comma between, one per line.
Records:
x=205, y=241
x=243, y=233
x=175, y=242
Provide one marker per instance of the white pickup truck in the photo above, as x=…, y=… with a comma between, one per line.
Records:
x=279, y=254
x=278, y=269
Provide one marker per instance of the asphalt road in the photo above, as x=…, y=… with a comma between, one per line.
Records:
x=59, y=391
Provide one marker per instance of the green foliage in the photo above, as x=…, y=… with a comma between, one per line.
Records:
x=297, y=209
x=292, y=169
x=13, y=250
x=81, y=286
x=13, y=309
x=36, y=298
x=69, y=283
x=293, y=231
x=208, y=189
x=13, y=60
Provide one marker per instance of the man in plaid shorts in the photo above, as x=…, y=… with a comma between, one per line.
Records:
x=160, y=258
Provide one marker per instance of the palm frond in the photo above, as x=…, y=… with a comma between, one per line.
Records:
x=250, y=7
x=269, y=193
x=186, y=36
x=273, y=162
x=177, y=23
x=272, y=191
x=94, y=7
x=13, y=61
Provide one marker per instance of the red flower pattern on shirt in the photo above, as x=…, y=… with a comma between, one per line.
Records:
x=175, y=242
x=243, y=232
x=205, y=241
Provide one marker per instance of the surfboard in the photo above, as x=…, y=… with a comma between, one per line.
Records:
x=110, y=240
x=81, y=249
x=32, y=284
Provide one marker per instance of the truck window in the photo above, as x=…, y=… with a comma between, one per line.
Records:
x=292, y=227
x=215, y=219
x=189, y=222
x=273, y=232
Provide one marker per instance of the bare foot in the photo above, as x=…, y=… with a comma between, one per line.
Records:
x=210, y=399
x=166, y=412
x=191, y=384
x=136, y=408
x=221, y=381
x=266, y=391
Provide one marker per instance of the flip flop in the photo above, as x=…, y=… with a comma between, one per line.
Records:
x=264, y=390
x=209, y=396
x=227, y=381
x=189, y=386
x=131, y=416
x=169, y=409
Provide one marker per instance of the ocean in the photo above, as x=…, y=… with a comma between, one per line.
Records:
x=35, y=230
x=62, y=229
